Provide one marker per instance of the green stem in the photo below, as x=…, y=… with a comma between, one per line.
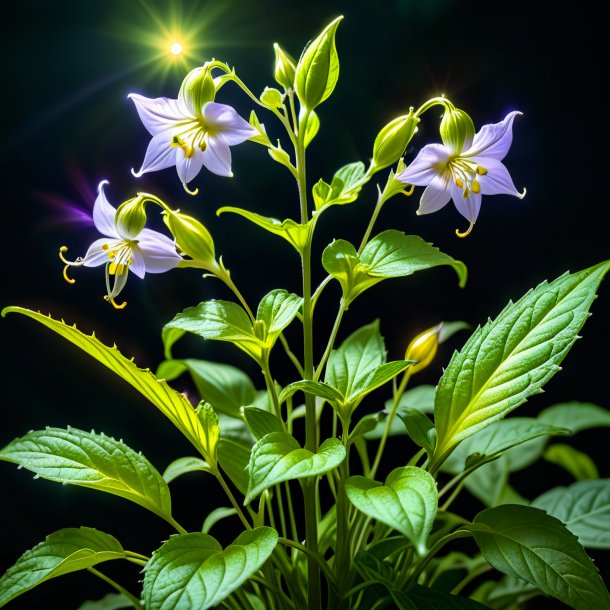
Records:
x=293, y=523
x=280, y=509
x=372, y=221
x=291, y=355
x=435, y=101
x=314, y=556
x=469, y=578
x=331, y=340
x=271, y=390
x=232, y=499
x=176, y=525
x=115, y=585
x=224, y=275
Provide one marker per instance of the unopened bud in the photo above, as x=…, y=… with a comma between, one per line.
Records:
x=423, y=348
x=285, y=68
x=457, y=130
x=392, y=140
x=197, y=89
x=130, y=217
x=271, y=97
x=192, y=238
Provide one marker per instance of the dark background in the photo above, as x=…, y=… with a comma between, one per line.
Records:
x=67, y=68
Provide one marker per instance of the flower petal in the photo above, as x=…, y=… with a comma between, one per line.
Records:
x=160, y=114
x=138, y=266
x=188, y=167
x=468, y=207
x=217, y=157
x=223, y=119
x=493, y=140
x=158, y=252
x=436, y=195
x=497, y=180
x=430, y=162
x=160, y=154
x=104, y=213
x=97, y=254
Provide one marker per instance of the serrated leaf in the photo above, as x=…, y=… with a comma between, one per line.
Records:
x=511, y=358
x=277, y=310
x=111, y=601
x=261, y=422
x=576, y=416
x=577, y=463
x=584, y=508
x=406, y=502
x=193, y=571
x=174, y=405
x=91, y=460
x=67, y=550
x=527, y=543
x=293, y=232
x=218, y=514
x=184, y=465
x=233, y=457
x=278, y=457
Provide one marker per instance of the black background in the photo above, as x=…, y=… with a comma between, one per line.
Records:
x=67, y=68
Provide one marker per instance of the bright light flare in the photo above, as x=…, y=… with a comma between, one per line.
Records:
x=176, y=48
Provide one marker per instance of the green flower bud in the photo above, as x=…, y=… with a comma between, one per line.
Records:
x=457, y=130
x=318, y=69
x=285, y=67
x=392, y=140
x=197, y=89
x=423, y=348
x=192, y=238
x=271, y=97
x=130, y=217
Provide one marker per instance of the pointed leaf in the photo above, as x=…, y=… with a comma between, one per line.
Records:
x=406, y=502
x=278, y=457
x=174, y=405
x=193, y=571
x=67, y=550
x=315, y=388
x=313, y=126
x=584, y=508
x=512, y=357
x=277, y=310
x=344, y=187
x=375, y=379
x=527, y=543
x=576, y=416
x=419, y=428
x=184, y=465
x=169, y=336
x=577, y=463
x=233, y=457
x=261, y=422
x=218, y=514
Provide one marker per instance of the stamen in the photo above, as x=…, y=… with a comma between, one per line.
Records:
x=105, y=247
x=63, y=258
x=481, y=170
x=466, y=193
x=459, y=183
x=408, y=192
x=114, y=304
x=68, y=279
x=475, y=186
x=186, y=188
x=466, y=232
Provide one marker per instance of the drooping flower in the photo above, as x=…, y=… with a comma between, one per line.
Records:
x=190, y=134
x=122, y=249
x=464, y=175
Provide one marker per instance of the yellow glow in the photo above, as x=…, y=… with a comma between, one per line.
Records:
x=176, y=48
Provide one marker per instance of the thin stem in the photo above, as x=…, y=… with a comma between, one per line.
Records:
x=115, y=585
x=320, y=289
x=293, y=112
x=469, y=578
x=232, y=499
x=291, y=355
x=135, y=555
x=435, y=101
x=331, y=340
x=293, y=523
x=176, y=525
x=372, y=221
x=138, y=562
x=271, y=390
x=225, y=276
x=315, y=556
x=280, y=509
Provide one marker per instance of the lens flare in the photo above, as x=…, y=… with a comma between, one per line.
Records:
x=176, y=48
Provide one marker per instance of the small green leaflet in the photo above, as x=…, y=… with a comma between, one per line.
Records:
x=511, y=358
x=527, y=543
x=344, y=187
x=184, y=465
x=577, y=463
x=584, y=507
x=174, y=405
x=218, y=514
x=388, y=255
x=276, y=311
x=67, y=550
x=313, y=126
x=576, y=416
x=193, y=571
x=278, y=457
x=406, y=502
x=91, y=460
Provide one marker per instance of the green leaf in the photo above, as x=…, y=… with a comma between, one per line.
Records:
x=344, y=187
x=390, y=254
x=584, y=508
x=315, y=388
x=278, y=457
x=184, y=465
x=318, y=69
x=111, y=601
x=527, y=543
x=233, y=457
x=511, y=358
x=91, y=460
x=313, y=126
x=577, y=463
x=193, y=571
x=429, y=599
x=489, y=482
x=576, y=416
x=277, y=310
x=174, y=405
x=67, y=550
x=221, y=321
x=169, y=336
x=406, y=502
x=293, y=232
x=419, y=428
x=209, y=421
x=215, y=516
x=261, y=422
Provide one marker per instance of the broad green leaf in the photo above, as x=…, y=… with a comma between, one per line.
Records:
x=576, y=416
x=406, y=502
x=91, y=460
x=278, y=457
x=67, y=550
x=261, y=422
x=174, y=405
x=577, y=463
x=193, y=571
x=169, y=336
x=277, y=310
x=430, y=599
x=344, y=187
x=184, y=465
x=293, y=232
x=419, y=428
x=511, y=358
x=527, y=543
x=488, y=482
x=225, y=387
x=375, y=379
x=233, y=457
x=318, y=69
x=220, y=321
x=495, y=440
x=218, y=514
x=111, y=601
x=584, y=508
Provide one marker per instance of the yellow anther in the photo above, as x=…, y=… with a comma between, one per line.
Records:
x=114, y=304
x=476, y=187
x=68, y=279
x=466, y=193
x=481, y=170
x=459, y=182
x=105, y=247
x=189, y=151
x=466, y=232
x=203, y=145
x=408, y=192
x=114, y=268
x=186, y=188
x=62, y=257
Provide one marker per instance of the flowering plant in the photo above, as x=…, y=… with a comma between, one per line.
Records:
x=366, y=537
